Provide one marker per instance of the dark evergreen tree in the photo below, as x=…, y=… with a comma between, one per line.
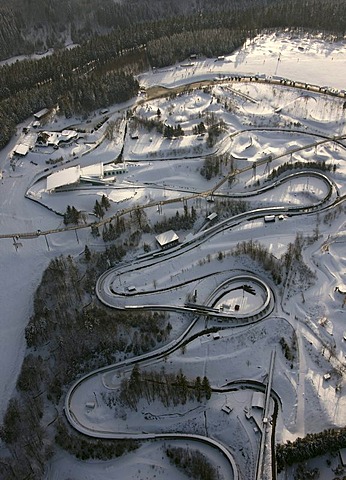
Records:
x=72, y=215
x=95, y=231
x=87, y=253
x=98, y=210
x=198, y=388
x=105, y=203
x=206, y=388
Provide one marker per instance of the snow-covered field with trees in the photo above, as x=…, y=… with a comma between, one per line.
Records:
x=215, y=146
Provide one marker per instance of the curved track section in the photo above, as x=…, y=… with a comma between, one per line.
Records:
x=245, y=282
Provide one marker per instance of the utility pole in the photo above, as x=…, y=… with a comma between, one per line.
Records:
x=277, y=65
x=45, y=236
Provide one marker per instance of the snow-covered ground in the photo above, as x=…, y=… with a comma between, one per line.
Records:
x=307, y=59
x=159, y=170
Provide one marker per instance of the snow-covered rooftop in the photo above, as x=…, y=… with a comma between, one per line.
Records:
x=21, y=149
x=67, y=176
x=166, y=238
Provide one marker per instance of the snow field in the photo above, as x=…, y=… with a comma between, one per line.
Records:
x=320, y=314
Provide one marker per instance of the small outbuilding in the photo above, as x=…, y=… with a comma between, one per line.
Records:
x=167, y=239
x=257, y=400
x=21, y=149
x=269, y=218
x=343, y=457
x=212, y=216
x=41, y=113
x=227, y=409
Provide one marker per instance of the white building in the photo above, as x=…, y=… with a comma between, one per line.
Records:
x=21, y=149
x=94, y=174
x=41, y=113
x=167, y=239
x=67, y=176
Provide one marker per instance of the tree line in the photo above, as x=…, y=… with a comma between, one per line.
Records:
x=80, y=95
x=85, y=448
x=213, y=165
x=179, y=222
x=27, y=26
x=192, y=462
x=99, y=71
x=64, y=286
x=312, y=445
x=289, y=267
x=229, y=207
x=261, y=254
x=169, y=388
x=287, y=166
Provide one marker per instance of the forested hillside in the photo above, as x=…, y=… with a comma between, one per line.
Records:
x=27, y=25
x=119, y=39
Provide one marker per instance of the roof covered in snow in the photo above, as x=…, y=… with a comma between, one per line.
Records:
x=258, y=400
x=21, y=149
x=41, y=113
x=166, y=238
x=67, y=176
